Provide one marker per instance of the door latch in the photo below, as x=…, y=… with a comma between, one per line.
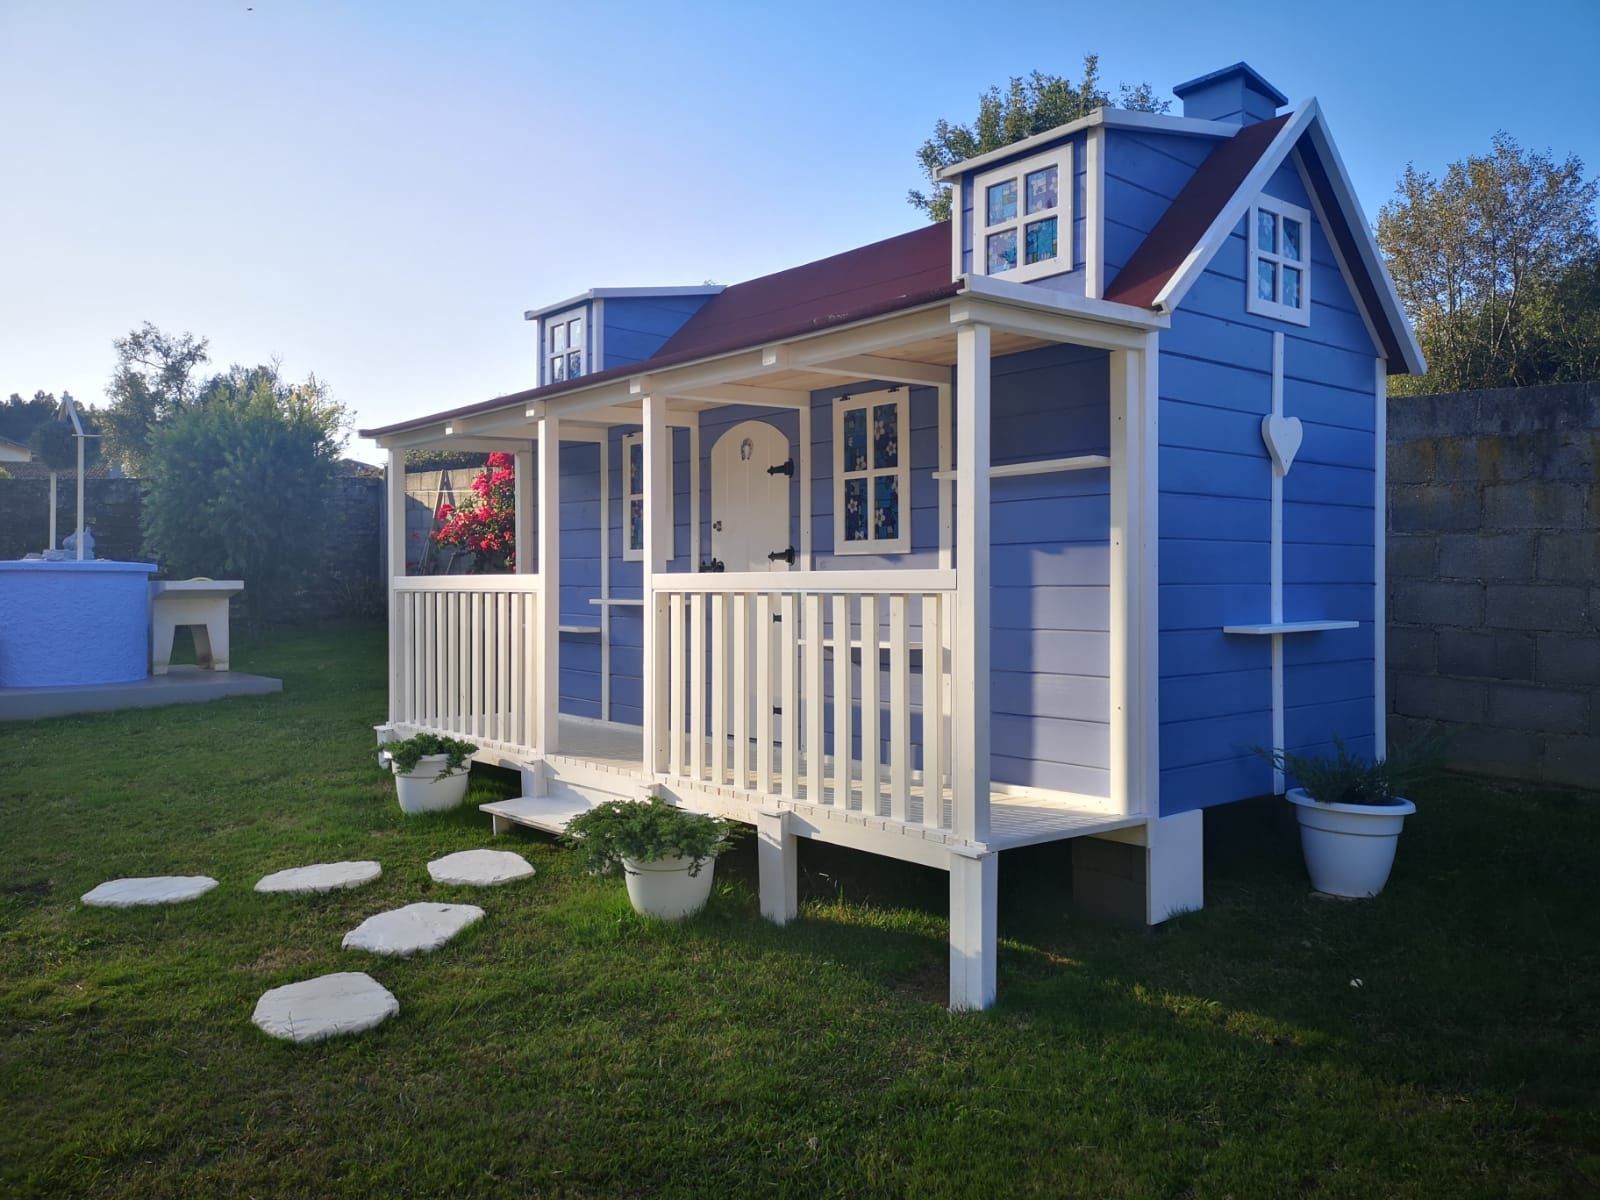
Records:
x=786, y=555
x=714, y=565
x=784, y=468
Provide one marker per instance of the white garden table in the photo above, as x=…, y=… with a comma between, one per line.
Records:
x=201, y=604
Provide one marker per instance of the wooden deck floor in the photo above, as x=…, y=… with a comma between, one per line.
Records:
x=1015, y=819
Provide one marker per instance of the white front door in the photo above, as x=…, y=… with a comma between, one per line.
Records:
x=749, y=501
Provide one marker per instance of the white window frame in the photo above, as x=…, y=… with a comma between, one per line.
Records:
x=629, y=553
x=548, y=353
x=901, y=399
x=1281, y=210
x=1060, y=158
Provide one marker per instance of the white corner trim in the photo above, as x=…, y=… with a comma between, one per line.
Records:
x=1380, y=526
x=1094, y=213
x=1220, y=229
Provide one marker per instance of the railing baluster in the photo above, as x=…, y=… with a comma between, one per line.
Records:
x=697, y=686
x=899, y=708
x=871, y=749
x=813, y=688
x=842, y=740
x=739, y=689
x=932, y=711
x=677, y=662
x=717, y=725
x=791, y=697
x=763, y=697
x=517, y=735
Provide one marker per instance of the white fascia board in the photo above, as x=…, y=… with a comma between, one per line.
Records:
x=1366, y=244
x=1217, y=234
x=709, y=289
x=1116, y=118
x=1022, y=295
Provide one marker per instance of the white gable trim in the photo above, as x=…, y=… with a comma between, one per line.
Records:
x=1307, y=120
x=1117, y=118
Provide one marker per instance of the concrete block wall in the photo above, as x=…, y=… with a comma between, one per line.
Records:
x=1494, y=578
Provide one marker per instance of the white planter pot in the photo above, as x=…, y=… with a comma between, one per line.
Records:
x=1349, y=848
x=423, y=791
x=664, y=888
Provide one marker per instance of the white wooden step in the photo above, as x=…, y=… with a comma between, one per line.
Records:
x=547, y=813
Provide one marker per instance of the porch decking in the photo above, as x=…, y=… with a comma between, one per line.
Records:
x=1016, y=817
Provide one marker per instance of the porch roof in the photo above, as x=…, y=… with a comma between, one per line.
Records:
x=901, y=272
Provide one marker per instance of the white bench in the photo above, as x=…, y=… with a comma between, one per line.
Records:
x=201, y=604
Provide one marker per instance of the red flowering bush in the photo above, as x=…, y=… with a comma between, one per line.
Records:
x=486, y=521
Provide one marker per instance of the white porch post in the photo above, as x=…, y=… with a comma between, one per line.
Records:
x=971, y=728
x=777, y=860
x=394, y=566
x=657, y=550
x=973, y=880
x=522, y=501
x=548, y=638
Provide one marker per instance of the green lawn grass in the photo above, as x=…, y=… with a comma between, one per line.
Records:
x=564, y=1046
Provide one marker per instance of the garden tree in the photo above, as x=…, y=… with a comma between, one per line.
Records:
x=1498, y=265
x=155, y=377
x=1027, y=106
x=19, y=417
x=237, y=482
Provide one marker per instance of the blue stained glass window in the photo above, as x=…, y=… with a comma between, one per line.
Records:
x=1291, y=239
x=635, y=467
x=1002, y=201
x=1039, y=242
x=1002, y=251
x=885, y=508
x=855, y=439
x=558, y=369
x=1266, y=231
x=1266, y=279
x=885, y=436
x=1041, y=190
x=636, y=525
x=1291, y=287
x=574, y=364
x=855, y=510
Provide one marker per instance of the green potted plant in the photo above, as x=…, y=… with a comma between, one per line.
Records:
x=1351, y=809
x=430, y=772
x=666, y=853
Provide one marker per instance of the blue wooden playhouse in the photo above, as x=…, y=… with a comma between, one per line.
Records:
x=1015, y=529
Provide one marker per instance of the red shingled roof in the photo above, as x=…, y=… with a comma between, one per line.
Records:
x=897, y=273
x=1162, y=253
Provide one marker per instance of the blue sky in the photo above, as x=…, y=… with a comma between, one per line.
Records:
x=377, y=191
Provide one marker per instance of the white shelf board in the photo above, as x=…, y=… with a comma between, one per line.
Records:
x=614, y=602
x=1274, y=627
x=595, y=629
x=1042, y=466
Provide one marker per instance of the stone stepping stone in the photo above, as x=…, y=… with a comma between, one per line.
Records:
x=480, y=868
x=325, y=1007
x=320, y=877
x=414, y=929
x=148, y=889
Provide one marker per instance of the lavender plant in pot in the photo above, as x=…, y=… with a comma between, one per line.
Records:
x=1351, y=809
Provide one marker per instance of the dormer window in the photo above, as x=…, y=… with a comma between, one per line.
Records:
x=1022, y=217
x=1278, y=283
x=563, y=347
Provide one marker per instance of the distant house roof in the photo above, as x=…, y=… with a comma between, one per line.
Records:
x=897, y=273
x=13, y=451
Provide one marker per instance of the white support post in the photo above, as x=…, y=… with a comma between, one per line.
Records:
x=394, y=565
x=77, y=533
x=945, y=484
x=605, y=575
x=1276, y=570
x=970, y=743
x=974, y=936
x=695, y=558
x=1124, y=581
x=803, y=458
x=549, y=634
x=522, y=502
x=657, y=548
x=52, y=544
x=1174, y=866
x=777, y=861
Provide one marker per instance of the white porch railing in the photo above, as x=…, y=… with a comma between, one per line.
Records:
x=463, y=653
x=773, y=684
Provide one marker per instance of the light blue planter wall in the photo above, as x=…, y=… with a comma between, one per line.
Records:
x=69, y=623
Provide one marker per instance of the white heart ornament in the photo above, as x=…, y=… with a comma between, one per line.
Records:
x=1282, y=436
